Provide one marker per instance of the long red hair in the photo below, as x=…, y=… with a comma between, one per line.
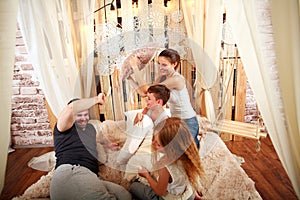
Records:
x=178, y=143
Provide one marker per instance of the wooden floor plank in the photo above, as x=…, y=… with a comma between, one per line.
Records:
x=264, y=168
x=18, y=175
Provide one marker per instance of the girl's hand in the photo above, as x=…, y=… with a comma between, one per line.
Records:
x=143, y=172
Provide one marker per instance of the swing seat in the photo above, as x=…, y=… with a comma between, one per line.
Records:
x=241, y=129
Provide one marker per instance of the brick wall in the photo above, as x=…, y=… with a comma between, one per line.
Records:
x=251, y=112
x=29, y=120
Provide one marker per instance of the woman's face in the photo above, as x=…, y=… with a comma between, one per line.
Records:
x=165, y=66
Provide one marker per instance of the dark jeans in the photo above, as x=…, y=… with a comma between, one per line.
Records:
x=141, y=191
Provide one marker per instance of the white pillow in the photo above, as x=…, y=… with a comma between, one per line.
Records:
x=135, y=135
x=130, y=115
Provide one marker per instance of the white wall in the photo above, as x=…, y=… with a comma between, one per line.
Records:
x=8, y=27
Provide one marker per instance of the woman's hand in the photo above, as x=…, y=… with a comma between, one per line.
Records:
x=134, y=62
x=142, y=90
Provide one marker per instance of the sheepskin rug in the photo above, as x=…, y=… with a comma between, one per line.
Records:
x=225, y=179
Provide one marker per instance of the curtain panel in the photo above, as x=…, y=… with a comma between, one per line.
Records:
x=59, y=43
x=285, y=17
x=203, y=20
x=8, y=29
x=275, y=88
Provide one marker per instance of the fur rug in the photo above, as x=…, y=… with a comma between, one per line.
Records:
x=225, y=179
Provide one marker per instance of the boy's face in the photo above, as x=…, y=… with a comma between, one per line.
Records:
x=151, y=101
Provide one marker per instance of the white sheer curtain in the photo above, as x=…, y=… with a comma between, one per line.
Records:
x=286, y=26
x=8, y=28
x=81, y=17
x=49, y=30
x=203, y=20
x=277, y=94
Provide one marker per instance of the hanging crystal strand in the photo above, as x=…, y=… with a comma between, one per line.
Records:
x=157, y=19
x=143, y=21
x=150, y=21
x=176, y=30
x=166, y=25
x=136, y=24
x=127, y=25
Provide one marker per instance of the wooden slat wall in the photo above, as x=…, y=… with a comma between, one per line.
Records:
x=51, y=116
x=240, y=95
x=235, y=83
x=116, y=104
x=228, y=77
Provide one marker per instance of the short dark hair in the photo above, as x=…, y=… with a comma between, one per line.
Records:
x=160, y=91
x=72, y=100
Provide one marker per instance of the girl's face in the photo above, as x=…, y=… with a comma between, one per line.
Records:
x=156, y=144
x=165, y=66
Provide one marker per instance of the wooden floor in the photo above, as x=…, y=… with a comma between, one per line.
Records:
x=263, y=167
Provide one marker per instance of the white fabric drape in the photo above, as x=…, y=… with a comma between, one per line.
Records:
x=277, y=94
x=203, y=20
x=47, y=31
x=81, y=17
x=286, y=26
x=8, y=28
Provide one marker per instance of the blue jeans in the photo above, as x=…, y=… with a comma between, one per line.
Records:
x=194, y=128
x=77, y=182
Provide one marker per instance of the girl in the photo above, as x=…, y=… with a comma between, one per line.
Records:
x=177, y=162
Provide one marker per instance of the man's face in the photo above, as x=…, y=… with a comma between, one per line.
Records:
x=151, y=101
x=82, y=118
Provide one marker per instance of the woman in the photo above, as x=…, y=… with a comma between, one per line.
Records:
x=178, y=165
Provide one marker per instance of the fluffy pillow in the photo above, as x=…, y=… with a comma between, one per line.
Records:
x=136, y=134
x=144, y=54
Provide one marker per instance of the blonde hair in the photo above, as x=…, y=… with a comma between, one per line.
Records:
x=178, y=143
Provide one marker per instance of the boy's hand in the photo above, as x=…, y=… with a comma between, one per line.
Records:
x=139, y=117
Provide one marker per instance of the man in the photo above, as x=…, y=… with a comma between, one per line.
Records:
x=137, y=148
x=76, y=170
